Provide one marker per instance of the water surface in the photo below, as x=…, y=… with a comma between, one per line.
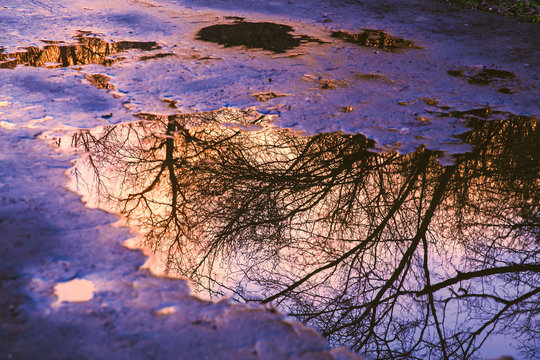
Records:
x=393, y=255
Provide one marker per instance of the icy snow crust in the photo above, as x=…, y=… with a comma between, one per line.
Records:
x=47, y=234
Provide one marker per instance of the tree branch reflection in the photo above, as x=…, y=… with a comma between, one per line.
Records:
x=393, y=255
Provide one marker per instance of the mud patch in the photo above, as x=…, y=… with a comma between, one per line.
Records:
x=260, y=35
x=485, y=76
x=90, y=50
x=379, y=39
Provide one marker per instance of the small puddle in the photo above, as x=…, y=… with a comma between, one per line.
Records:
x=266, y=96
x=486, y=76
x=255, y=35
x=89, y=50
x=481, y=114
x=379, y=39
x=156, y=56
x=100, y=81
x=76, y=290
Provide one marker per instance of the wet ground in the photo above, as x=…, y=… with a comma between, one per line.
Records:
x=369, y=169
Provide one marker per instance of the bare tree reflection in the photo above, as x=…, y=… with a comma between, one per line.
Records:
x=393, y=255
x=90, y=50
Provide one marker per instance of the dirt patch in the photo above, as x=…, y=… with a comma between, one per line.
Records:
x=376, y=38
x=90, y=50
x=260, y=35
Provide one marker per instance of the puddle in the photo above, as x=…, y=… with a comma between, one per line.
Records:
x=376, y=38
x=373, y=77
x=76, y=290
x=156, y=56
x=481, y=114
x=323, y=82
x=323, y=227
x=265, y=96
x=100, y=81
x=260, y=35
x=485, y=76
x=89, y=50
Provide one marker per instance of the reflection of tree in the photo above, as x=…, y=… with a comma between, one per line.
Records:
x=90, y=50
x=393, y=255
